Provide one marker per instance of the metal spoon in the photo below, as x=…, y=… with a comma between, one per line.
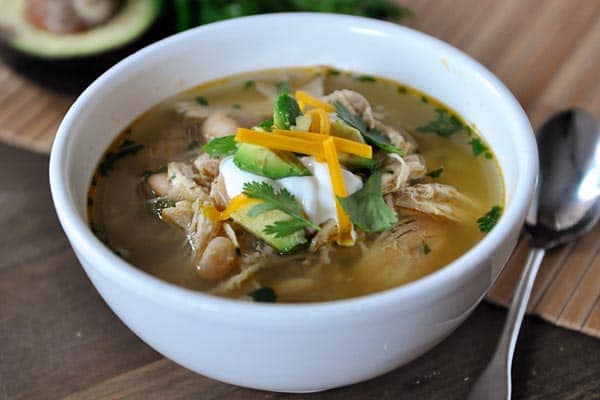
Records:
x=566, y=206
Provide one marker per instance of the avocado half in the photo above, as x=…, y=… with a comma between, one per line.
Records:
x=71, y=61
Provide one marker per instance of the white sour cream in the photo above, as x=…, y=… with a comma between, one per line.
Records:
x=313, y=192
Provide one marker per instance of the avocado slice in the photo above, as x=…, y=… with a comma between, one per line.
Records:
x=256, y=226
x=132, y=20
x=265, y=162
x=70, y=61
x=354, y=163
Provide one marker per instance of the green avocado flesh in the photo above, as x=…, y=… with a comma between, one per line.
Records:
x=132, y=20
x=272, y=164
x=256, y=226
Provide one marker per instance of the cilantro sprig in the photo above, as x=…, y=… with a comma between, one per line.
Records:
x=490, y=219
x=264, y=294
x=282, y=200
x=372, y=136
x=445, y=125
x=367, y=209
x=221, y=147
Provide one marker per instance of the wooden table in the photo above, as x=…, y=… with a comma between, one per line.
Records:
x=59, y=340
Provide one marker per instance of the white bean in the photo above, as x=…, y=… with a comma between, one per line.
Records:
x=159, y=183
x=218, y=259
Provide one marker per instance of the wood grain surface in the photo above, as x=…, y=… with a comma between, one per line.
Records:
x=59, y=340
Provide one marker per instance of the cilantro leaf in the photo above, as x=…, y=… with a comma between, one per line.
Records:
x=426, y=248
x=221, y=147
x=267, y=124
x=489, y=220
x=478, y=146
x=445, y=125
x=367, y=209
x=249, y=84
x=282, y=201
x=263, y=295
x=281, y=229
x=366, y=78
x=283, y=87
x=201, y=100
x=372, y=136
x=436, y=173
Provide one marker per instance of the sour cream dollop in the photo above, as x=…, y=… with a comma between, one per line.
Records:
x=313, y=192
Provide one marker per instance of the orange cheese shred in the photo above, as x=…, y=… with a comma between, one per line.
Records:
x=305, y=99
x=341, y=145
x=320, y=121
x=279, y=142
x=236, y=203
x=339, y=189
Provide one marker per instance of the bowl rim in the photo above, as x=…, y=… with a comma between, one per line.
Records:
x=121, y=272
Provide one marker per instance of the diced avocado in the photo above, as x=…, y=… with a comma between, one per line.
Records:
x=356, y=163
x=265, y=162
x=256, y=226
x=341, y=129
x=285, y=111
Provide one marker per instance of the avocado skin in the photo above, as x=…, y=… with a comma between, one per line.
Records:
x=73, y=74
x=262, y=161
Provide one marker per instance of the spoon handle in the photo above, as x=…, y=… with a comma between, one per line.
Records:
x=495, y=381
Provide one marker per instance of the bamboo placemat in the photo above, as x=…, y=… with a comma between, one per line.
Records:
x=546, y=51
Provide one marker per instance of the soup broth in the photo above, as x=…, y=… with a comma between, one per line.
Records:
x=125, y=213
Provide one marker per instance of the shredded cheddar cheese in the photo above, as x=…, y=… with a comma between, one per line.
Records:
x=279, y=142
x=341, y=145
x=304, y=99
x=320, y=121
x=236, y=203
x=339, y=189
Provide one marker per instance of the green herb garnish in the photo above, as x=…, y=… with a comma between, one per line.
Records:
x=445, y=125
x=333, y=72
x=436, y=173
x=263, y=295
x=249, y=84
x=267, y=124
x=201, y=100
x=372, y=136
x=221, y=147
x=366, y=207
x=489, y=220
x=282, y=201
x=127, y=148
x=283, y=87
x=478, y=146
x=426, y=248
x=161, y=204
x=366, y=78
x=236, y=106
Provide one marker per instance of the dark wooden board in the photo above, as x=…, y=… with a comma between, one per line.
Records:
x=58, y=339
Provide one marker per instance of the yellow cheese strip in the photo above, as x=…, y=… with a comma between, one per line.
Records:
x=341, y=145
x=339, y=189
x=238, y=201
x=320, y=121
x=304, y=98
x=279, y=142
x=211, y=212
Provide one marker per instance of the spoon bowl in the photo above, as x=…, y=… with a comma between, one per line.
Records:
x=566, y=204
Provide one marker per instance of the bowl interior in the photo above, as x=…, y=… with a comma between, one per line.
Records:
x=273, y=41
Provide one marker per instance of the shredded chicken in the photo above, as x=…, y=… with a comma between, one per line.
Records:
x=432, y=198
x=207, y=170
x=326, y=235
x=218, y=193
x=355, y=103
x=183, y=184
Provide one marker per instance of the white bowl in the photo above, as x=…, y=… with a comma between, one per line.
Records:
x=285, y=347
